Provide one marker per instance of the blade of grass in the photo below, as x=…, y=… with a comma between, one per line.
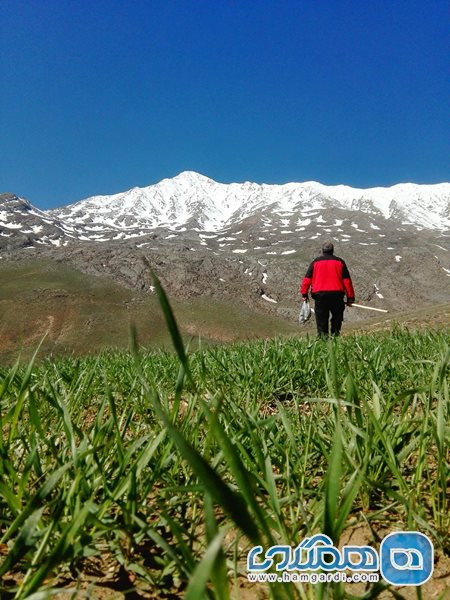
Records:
x=197, y=585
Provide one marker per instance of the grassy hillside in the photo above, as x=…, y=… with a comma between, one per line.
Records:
x=435, y=317
x=79, y=313
x=151, y=474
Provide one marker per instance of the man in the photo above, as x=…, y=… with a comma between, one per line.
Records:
x=330, y=281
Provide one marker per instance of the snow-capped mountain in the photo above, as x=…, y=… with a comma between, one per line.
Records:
x=193, y=200
x=23, y=225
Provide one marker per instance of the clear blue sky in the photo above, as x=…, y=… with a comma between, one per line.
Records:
x=99, y=96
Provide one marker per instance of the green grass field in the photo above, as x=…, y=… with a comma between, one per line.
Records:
x=150, y=474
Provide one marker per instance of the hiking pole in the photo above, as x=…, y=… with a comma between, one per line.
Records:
x=368, y=307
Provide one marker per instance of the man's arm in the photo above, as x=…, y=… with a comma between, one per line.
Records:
x=348, y=285
x=306, y=282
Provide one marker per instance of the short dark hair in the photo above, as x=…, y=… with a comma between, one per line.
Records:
x=327, y=248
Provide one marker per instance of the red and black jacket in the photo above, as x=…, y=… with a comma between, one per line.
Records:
x=328, y=273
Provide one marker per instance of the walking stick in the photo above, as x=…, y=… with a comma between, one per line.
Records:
x=368, y=307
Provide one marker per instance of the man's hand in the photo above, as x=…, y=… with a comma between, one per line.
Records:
x=305, y=297
x=350, y=301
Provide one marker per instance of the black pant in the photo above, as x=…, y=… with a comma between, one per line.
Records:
x=326, y=303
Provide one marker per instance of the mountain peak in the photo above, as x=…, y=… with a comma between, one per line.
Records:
x=191, y=177
x=14, y=202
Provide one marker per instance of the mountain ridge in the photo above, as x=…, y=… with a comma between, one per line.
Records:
x=190, y=195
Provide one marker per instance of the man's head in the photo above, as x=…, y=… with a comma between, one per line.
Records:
x=327, y=248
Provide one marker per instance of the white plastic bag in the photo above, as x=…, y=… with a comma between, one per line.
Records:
x=305, y=312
